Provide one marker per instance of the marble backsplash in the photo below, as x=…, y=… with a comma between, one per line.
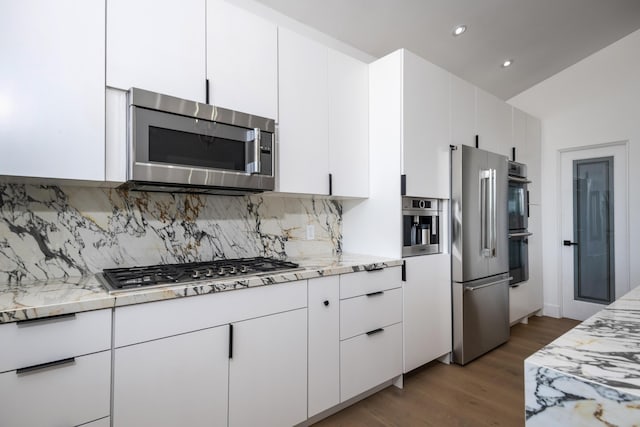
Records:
x=50, y=232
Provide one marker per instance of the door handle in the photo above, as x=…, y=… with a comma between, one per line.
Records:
x=252, y=153
x=569, y=243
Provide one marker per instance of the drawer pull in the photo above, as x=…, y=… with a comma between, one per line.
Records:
x=375, y=331
x=326, y=303
x=41, y=320
x=373, y=268
x=34, y=368
x=373, y=294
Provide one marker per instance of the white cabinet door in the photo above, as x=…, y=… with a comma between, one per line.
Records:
x=532, y=155
x=348, y=125
x=242, y=60
x=268, y=371
x=303, y=146
x=157, y=46
x=463, y=112
x=52, y=89
x=180, y=380
x=425, y=145
x=324, y=344
x=427, y=309
x=494, y=123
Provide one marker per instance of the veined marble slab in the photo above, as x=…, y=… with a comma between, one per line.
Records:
x=40, y=299
x=49, y=232
x=590, y=376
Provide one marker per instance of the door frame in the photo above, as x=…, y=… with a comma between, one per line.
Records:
x=622, y=276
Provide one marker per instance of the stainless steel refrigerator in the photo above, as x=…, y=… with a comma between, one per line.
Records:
x=479, y=249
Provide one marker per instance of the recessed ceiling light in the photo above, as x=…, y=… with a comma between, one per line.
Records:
x=507, y=63
x=459, y=30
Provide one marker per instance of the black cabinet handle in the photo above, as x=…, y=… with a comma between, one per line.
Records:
x=206, y=95
x=40, y=320
x=375, y=331
x=330, y=184
x=230, y=341
x=477, y=141
x=403, y=185
x=373, y=268
x=34, y=368
x=569, y=243
x=326, y=303
x=373, y=294
x=404, y=270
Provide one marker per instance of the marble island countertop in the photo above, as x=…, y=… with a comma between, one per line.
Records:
x=590, y=376
x=72, y=295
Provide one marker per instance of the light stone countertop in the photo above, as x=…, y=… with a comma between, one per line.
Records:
x=55, y=297
x=589, y=376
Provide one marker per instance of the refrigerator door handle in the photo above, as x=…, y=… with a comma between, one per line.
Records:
x=486, y=285
x=485, y=178
x=494, y=214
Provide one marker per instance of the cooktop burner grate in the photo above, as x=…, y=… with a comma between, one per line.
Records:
x=121, y=279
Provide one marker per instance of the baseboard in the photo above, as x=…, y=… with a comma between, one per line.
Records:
x=552, y=310
x=326, y=413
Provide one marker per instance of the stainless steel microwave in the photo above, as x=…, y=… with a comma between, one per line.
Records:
x=176, y=145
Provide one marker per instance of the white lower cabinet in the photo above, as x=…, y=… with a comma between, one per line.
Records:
x=237, y=358
x=426, y=309
x=324, y=344
x=179, y=380
x=369, y=360
x=268, y=371
x=56, y=370
x=370, y=330
x=71, y=393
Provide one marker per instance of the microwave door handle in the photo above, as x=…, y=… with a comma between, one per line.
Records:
x=252, y=153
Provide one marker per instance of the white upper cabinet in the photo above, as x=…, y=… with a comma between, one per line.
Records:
x=463, y=112
x=242, y=60
x=303, y=103
x=425, y=144
x=533, y=155
x=52, y=89
x=157, y=46
x=348, y=125
x=526, y=140
x=493, y=123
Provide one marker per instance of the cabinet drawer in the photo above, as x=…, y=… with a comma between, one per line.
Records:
x=369, y=360
x=38, y=341
x=365, y=282
x=145, y=322
x=368, y=312
x=63, y=395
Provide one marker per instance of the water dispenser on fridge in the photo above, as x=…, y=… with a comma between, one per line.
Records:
x=421, y=226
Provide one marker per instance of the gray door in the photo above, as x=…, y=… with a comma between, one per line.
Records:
x=594, y=243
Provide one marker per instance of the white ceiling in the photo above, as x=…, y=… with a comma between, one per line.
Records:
x=543, y=37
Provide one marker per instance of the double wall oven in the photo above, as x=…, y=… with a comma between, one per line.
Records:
x=518, y=214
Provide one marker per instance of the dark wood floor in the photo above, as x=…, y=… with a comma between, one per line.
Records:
x=486, y=392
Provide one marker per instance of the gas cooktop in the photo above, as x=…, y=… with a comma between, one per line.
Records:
x=155, y=276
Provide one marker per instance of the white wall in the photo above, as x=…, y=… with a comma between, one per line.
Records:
x=593, y=102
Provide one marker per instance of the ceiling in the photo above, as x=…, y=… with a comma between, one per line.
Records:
x=542, y=37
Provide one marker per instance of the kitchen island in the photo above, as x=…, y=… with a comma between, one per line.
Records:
x=590, y=376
